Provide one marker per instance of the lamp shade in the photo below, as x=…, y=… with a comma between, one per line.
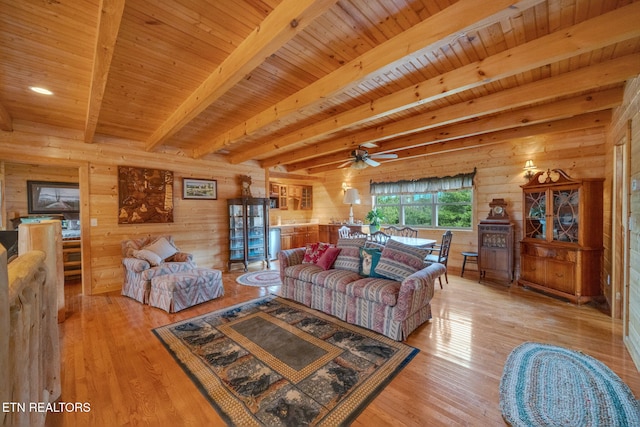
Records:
x=529, y=165
x=351, y=197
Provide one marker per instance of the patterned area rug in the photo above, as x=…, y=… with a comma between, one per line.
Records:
x=546, y=385
x=274, y=362
x=260, y=278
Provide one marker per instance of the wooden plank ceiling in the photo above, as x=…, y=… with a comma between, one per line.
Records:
x=299, y=84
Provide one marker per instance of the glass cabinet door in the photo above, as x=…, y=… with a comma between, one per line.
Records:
x=255, y=224
x=236, y=234
x=565, y=215
x=535, y=220
x=248, y=230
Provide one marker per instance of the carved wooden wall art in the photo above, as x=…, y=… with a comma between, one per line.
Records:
x=144, y=195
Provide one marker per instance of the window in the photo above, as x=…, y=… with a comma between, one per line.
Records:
x=429, y=202
x=445, y=209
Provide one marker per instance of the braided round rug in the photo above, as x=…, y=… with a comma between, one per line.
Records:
x=260, y=278
x=546, y=385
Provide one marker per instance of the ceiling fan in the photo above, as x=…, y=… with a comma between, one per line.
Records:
x=360, y=158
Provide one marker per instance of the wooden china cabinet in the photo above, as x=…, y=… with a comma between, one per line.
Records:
x=561, y=250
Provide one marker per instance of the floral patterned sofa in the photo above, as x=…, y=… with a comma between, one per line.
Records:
x=389, y=293
x=148, y=257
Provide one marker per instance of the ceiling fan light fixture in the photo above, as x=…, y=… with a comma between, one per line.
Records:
x=358, y=164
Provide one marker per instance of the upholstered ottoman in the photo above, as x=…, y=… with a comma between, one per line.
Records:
x=177, y=291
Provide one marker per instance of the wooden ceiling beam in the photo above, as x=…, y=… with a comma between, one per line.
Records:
x=524, y=117
x=108, y=27
x=287, y=20
x=615, y=26
x=6, y=123
x=583, y=79
x=298, y=177
x=584, y=121
x=437, y=30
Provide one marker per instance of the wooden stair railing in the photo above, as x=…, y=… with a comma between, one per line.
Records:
x=29, y=343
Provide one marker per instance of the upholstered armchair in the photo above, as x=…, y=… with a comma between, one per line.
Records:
x=148, y=257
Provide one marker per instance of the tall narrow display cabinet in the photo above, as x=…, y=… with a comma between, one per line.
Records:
x=561, y=250
x=248, y=230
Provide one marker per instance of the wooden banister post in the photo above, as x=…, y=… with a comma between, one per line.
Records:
x=5, y=392
x=47, y=237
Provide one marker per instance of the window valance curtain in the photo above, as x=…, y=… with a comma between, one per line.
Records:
x=423, y=185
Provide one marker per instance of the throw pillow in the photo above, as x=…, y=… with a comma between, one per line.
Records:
x=349, y=258
x=398, y=261
x=369, y=258
x=328, y=258
x=149, y=256
x=314, y=251
x=162, y=247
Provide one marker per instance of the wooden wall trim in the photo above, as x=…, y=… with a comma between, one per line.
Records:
x=85, y=224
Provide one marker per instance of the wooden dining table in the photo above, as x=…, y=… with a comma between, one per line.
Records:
x=414, y=241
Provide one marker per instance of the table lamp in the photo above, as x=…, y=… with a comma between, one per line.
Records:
x=351, y=197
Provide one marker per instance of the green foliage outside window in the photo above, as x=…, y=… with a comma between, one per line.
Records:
x=446, y=209
x=455, y=209
x=391, y=214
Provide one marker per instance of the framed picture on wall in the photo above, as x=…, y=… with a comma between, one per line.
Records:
x=206, y=189
x=45, y=197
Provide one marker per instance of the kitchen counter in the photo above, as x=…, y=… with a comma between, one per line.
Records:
x=298, y=235
x=300, y=224
x=326, y=224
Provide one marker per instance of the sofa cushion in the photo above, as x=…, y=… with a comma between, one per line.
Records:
x=304, y=272
x=167, y=268
x=383, y=291
x=130, y=245
x=369, y=258
x=162, y=247
x=328, y=258
x=399, y=261
x=349, y=258
x=334, y=279
x=151, y=257
x=314, y=251
x=374, y=245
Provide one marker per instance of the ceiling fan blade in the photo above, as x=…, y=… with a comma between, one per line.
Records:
x=371, y=162
x=345, y=164
x=384, y=156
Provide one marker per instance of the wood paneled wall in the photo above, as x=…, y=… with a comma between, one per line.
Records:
x=624, y=259
x=199, y=227
x=16, y=176
x=499, y=175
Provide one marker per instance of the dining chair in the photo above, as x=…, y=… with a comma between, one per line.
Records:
x=379, y=237
x=344, y=231
x=392, y=230
x=440, y=253
x=357, y=234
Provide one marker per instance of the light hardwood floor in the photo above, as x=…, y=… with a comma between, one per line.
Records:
x=112, y=360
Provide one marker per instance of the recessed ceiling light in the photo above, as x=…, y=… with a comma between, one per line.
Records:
x=41, y=90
